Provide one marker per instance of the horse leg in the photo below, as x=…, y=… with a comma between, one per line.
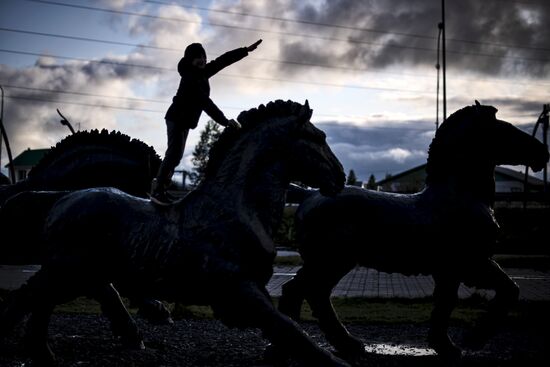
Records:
x=322, y=281
x=293, y=295
x=38, y=297
x=445, y=298
x=491, y=276
x=36, y=338
x=122, y=323
x=14, y=309
x=246, y=304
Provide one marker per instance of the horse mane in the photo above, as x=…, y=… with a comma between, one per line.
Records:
x=114, y=140
x=249, y=120
x=447, y=140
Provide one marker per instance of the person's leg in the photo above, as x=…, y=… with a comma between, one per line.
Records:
x=174, y=152
x=181, y=142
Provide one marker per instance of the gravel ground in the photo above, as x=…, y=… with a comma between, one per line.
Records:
x=85, y=340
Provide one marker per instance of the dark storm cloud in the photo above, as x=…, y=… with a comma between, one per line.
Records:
x=512, y=106
x=381, y=150
x=486, y=25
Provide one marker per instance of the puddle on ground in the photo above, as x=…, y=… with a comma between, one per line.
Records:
x=399, y=349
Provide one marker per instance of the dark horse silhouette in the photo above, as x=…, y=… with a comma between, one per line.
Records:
x=82, y=160
x=213, y=247
x=92, y=159
x=447, y=230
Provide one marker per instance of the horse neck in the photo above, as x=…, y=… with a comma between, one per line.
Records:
x=464, y=182
x=251, y=180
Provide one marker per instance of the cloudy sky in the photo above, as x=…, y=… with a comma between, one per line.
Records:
x=367, y=67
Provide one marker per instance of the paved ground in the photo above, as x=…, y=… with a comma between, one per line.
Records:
x=360, y=282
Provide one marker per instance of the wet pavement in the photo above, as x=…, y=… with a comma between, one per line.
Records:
x=360, y=282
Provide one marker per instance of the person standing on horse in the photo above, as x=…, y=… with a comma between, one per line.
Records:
x=192, y=97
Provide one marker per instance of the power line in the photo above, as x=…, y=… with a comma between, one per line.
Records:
x=340, y=26
x=84, y=94
x=93, y=105
x=303, y=64
x=27, y=98
x=96, y=40
x=299, y=21
x=347, y=40
x=179, y=50
x=223, y=74
x=125, y=108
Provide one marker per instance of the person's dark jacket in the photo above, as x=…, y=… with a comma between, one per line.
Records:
x=193, y=94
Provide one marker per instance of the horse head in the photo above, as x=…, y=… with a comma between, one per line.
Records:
x=313, y=162
x=280, y=137
x=474, y=139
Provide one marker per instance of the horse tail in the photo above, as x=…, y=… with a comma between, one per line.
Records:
x=22, y=219
x=296, y=194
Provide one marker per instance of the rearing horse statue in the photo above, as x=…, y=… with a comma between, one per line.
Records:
x=213, y=247
x=447, y=230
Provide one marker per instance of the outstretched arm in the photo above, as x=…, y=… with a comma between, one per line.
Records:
x=229, y=58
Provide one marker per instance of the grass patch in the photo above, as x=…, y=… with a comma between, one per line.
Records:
x=180, y=311
x=415, y=311
x=533, y=314
x=390, y=311
x=288, y=261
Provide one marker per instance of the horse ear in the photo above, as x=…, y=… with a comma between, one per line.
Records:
x=477, y=103
x=306, y=112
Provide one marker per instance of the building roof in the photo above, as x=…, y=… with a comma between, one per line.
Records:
x=391, y=178
x=29, y=157
x=501, y=174
x=513, y=175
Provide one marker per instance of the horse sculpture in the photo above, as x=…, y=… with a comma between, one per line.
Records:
x=213, y=247
x=447, y=230
x=92, y=159
x=82, y=160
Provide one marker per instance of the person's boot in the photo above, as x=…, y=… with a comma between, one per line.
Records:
x=158, y=194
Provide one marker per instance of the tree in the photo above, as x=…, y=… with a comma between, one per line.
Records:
x=371, y=183
x=352, y=179
x=209, y=135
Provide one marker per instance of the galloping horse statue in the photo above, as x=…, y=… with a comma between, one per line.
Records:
x=82, y=160
x=212, y=247
x=447, y=230
x=88, y=159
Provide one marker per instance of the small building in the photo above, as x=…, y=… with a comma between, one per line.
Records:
x=414, y=179
x=25, y=161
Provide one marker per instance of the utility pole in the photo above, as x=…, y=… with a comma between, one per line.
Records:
x=544, y=121
x=444, y=61
x=5, y=137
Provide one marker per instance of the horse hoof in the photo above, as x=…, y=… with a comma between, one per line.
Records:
x=444, y=347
